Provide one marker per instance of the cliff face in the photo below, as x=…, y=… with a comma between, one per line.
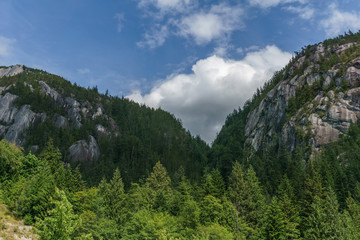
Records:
x=16, y=120
x=314, y=103
x=94, y=131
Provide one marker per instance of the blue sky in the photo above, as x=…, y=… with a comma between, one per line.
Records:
x=198, y=59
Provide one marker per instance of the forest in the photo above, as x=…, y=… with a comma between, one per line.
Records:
x=293, y=200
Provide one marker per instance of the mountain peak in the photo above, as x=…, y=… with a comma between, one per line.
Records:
x=313, y=100
x=11, y=71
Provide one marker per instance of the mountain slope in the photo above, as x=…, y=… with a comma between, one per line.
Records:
x=303, y=108
x=94, y=131
x=312, y=100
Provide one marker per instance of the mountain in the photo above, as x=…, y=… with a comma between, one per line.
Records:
x=315, y=101
x=305, y=107
x=285, y=166
x=94, y=131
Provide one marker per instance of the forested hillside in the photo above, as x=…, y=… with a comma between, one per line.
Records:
x=319, y=201
x=285, y=166
x=95, y=132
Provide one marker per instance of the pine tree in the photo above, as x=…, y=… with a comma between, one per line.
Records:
x=61, y=222
x=51, y=155
x=274, y=226
x=158, y=188
x=286, y=201
x=254, y=198
x=325, y=220
x=114, y=197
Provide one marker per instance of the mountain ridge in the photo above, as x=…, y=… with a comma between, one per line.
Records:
x=91, y=128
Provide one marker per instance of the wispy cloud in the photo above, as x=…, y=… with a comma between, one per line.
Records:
x=83, y=71
x=305, y=12
x=216, y=86
x=155, y=37
x=338, y=21
x=6, y=46
x=166, y=5
x=273, y=3
x=120, y=21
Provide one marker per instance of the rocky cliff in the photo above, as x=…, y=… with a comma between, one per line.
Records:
x=94, y=131
x=316, y=98
x=15, y=120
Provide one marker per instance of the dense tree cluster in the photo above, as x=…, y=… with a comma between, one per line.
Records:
x=145, y=135
x=321, y=203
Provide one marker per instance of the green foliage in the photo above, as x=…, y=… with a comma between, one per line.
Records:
x=114, y=197
x=10, y=160
x=158, y=188
x=146, y=224
x=60, y=222
x=213, y=232
x=303, y=96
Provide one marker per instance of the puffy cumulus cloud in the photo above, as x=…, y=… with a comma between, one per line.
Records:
x=216, y=87
x=6, y=46
x=205, y=26
x=273, y=3
x=339, y=22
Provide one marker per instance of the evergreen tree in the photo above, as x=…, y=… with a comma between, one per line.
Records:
x=61, y=222
x=158, y=188
x=114, y=197
x=274, y=222
x=325, y=220
x=51, y=155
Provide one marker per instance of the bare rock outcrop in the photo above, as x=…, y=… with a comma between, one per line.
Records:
x=323, y=119
x=73, y=108
x=23, y=119
x=60, y=121
x=84, y=151
x=11, y=71
x=47, y=90
x=101, y=130
x=7, y=110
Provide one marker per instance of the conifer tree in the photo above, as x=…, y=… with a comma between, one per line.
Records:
x=61, y=222
x=158, y=188
x=114, y=197
x=274, y=222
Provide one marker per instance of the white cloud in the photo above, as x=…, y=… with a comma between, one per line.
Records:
x=120, y=18
x=273, y=3
x=339, y=22
x=6, y=46
x=216, y=23
x=217, y=86
x=166, y=5
x=304, y=12
x=156, y=37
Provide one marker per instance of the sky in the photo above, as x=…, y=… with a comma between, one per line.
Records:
x=197, y=59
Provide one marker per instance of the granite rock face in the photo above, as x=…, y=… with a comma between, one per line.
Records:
x=47, y=90
x=7, y=110
x=70, y=112
x=11, y=71
x=324, y=118
x=84, y=151
x=61, y=122
x=23, y=119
